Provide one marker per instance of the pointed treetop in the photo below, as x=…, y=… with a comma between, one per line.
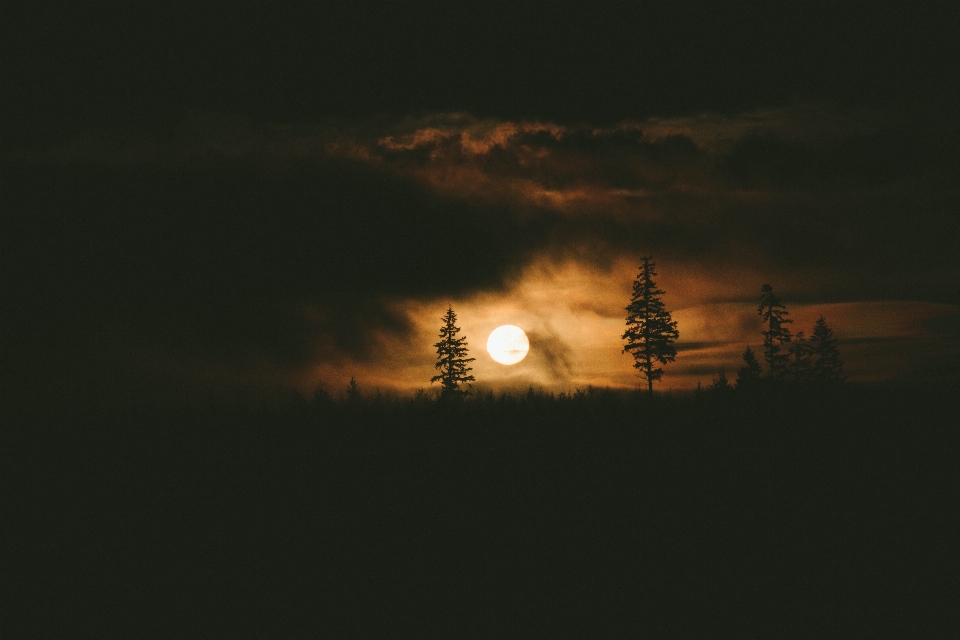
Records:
x=651, y=332
x=827, y=365
x=774, y=315
x=451, y=357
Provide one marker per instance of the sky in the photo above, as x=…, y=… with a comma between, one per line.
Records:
x=239, y=201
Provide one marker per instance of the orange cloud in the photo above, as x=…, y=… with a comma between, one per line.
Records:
x=578, y=312
x=419, y=138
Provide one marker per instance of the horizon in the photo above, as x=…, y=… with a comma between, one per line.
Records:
x=218, y=217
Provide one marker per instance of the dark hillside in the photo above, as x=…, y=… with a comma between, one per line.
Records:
x=596, y=515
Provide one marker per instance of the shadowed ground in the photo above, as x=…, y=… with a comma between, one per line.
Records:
x=598, y=515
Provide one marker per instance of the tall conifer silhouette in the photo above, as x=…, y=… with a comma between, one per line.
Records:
x=748, y=377
x=800, y=358
x=774, y=315
x=451, y=358
x=353, y=391
x=651, y=332
x=827, y=365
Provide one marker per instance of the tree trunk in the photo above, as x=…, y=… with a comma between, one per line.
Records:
x=649, y=379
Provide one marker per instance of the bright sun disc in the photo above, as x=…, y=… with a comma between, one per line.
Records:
x=508, y=344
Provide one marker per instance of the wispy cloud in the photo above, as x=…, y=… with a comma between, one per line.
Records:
x=329, y=236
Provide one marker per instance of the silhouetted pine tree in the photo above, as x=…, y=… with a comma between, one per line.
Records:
x=353, y=391
x=720, y=384
x=800, y=358
x=774, y=315
x=651, y=332
x=827, y=365
x=451, y=360
x=748, y=377
x=321, y=399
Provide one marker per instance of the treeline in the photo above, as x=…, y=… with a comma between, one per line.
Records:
x=790, y=358
x=354, y=399
x=595, y=510
x=540, y=406
x=650, y=339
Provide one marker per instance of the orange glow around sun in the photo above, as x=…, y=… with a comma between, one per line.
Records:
x=574, y=316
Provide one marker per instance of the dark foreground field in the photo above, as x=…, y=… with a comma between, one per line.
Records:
x=790, y=515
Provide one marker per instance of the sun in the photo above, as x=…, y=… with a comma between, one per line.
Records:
x=508, y=344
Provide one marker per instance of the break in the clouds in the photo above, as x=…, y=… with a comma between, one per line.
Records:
x=232, y=252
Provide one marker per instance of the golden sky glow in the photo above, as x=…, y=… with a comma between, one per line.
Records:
x=574, y=314
x=723, y=203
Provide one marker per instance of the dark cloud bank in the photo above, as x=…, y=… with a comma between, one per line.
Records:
x=148, y=252
x=219, y=265
x=225, y=270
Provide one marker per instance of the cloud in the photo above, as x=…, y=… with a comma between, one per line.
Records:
x=554, y=352
x=298, y=251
